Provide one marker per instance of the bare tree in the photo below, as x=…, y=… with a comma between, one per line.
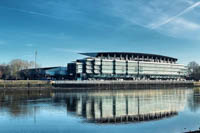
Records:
x=4, y=71
x=13, y=69
x=192, y=67
x=17, y=65
x=194, y=70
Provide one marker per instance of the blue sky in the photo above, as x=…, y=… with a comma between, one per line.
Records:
x=59, y=29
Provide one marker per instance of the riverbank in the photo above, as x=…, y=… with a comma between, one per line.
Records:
x=131, y=84
x=83, y=85
x=21, y=84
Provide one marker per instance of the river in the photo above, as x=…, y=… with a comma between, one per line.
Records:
x=172, y=110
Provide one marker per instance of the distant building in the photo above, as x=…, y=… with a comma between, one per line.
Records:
x=121, y=65
x=45, y=73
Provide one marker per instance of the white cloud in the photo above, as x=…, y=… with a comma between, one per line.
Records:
x=170, y=17
x=185, y=24
x=168, y=20
x=181, y=27
x=175, y=18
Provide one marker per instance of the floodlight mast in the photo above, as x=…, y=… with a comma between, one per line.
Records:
x=35, y=59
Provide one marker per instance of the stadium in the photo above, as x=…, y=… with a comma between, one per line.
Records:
x=126, y=66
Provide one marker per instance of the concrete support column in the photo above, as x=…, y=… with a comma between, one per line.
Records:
x=101, y=67
x=114, y=66
x=120, y=57
x=126, y=67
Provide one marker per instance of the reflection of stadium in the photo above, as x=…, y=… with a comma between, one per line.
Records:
x=126, y=106
x=103, y=106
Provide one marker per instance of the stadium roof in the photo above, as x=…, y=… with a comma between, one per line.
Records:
x=127, y=54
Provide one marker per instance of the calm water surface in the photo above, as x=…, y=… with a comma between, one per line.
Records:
x=129, y=111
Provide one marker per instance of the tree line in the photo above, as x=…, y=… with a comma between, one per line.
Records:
x=193, y=70
x=12, y=69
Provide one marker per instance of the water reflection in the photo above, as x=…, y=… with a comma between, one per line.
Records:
x=104, y=106
x=194, y=100
x=126, y=105
x=16, y=102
